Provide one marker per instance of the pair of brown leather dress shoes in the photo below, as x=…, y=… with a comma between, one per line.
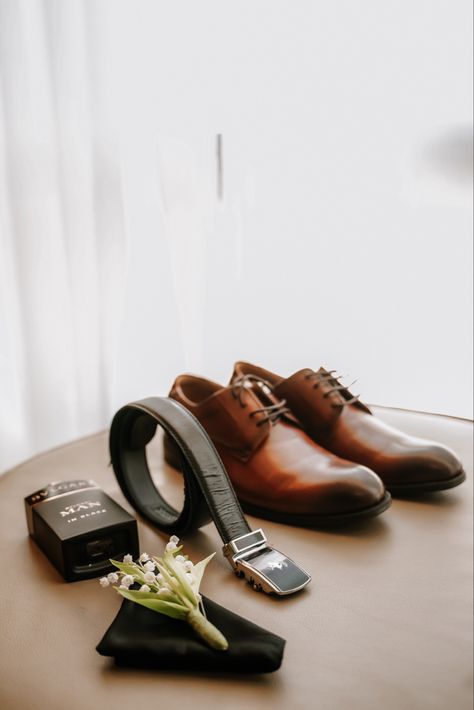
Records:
x=305, y=451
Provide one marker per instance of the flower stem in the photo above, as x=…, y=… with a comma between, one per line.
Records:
x=206, y=630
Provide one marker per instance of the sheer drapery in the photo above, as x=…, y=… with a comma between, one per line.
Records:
x=343, y=237
x=95, y=258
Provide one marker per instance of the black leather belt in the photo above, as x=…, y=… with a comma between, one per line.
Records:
x=208, y=492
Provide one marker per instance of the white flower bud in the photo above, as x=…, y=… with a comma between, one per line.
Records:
x=163, y=592
x=145, y=588
x=180, y=558
x=127, y=580
x=160, y=578
x=149, y=577
x=149, y=566
x=171, y=546
x=113, y=578
x=174, y=539
x=128, y=558
x=144, y=557
x=190, y=577
x=188, y=565
x=104, y=582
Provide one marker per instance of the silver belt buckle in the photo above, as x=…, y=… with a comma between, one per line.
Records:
x=263, y=567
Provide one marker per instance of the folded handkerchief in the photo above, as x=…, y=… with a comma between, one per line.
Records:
x=141, y=638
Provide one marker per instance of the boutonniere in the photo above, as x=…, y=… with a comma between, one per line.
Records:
x=168, y=585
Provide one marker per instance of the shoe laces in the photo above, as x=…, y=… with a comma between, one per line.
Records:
x=332, y=378
x=272, y=412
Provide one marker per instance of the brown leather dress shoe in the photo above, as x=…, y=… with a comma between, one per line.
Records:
x=277, y=471
x=337, y=420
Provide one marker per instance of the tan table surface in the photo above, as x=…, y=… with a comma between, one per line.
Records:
x=386, y=623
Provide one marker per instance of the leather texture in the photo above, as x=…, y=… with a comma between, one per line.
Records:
x=208, y=491
x=275, y=468
x=347, y=428
x=387, y=622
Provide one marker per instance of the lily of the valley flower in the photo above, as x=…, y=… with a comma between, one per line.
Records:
x=127, y=580
x=168, y=585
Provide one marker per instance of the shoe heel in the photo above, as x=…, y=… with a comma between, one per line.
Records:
x=171, y=453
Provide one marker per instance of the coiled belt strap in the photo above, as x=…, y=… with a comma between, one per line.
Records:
x=208, y=492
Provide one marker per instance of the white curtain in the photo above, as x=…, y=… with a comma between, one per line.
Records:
x=102, y=232
x=344, y=232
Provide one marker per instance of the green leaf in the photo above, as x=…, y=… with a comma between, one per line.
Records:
x=164, y=571
x=150, y=601
x=199, y=568
x=126, y=567
x=177, y=590
x=130, y=568
x=180, y=575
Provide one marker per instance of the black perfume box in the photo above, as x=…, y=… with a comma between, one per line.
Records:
x=80, y=528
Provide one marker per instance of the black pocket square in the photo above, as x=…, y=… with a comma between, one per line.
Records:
x=140, y=638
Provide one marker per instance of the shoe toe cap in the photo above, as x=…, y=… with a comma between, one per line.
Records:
x=426, y=464
x=351, y=489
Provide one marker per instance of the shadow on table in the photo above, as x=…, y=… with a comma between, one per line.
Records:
x=270, y=681
x=441, y=499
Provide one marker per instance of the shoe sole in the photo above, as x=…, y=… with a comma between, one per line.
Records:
x=318, y=521
x=310, y=520
x=427, y=486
